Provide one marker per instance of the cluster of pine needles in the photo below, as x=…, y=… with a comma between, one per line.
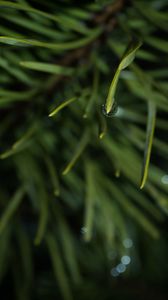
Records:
x=83, y=153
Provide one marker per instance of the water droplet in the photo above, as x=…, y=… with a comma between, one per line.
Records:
x=128, y=243
x=114, y=272
x=125, y=260
x=121, y=268
x=113, y=111
x=164, y=179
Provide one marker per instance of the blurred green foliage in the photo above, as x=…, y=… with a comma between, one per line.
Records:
x=74, y=221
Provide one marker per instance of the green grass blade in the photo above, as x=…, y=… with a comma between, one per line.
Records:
x=157, y=43
x=67, y=240
x=65, y=21
x=158, y=18
x=25, y=254
x=102, y=126
x=144, y=202
x=25, y=138
x=127, y=59
x=159, y=197
x=129, y=55
x=33, y=26
x=8, y=153
x=49, y=68
x=58, y=267
x=43, y=219
x=72, y=23
x=12, y=5
x=149, y=141
x=15, y=72
x=80, y=148
x=54, y=46
x=20, y=144
x=79, y=13
x=5, y=238
x=53, y=175
x=133, y=211
x=69, y=253
x=89, y=202
x=6, y=31
x=61, y=106
x=110, y=97
x=17, y=94
x=11, y=208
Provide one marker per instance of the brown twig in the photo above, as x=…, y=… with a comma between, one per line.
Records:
x=109, y=11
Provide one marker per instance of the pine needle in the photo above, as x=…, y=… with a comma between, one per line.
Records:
x=149, y=141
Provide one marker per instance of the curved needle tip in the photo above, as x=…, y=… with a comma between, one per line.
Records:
x=142, y=184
